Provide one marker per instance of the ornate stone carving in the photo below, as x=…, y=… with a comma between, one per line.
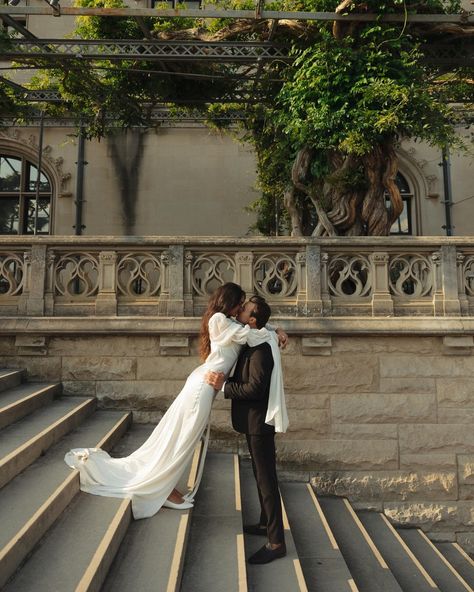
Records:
x=28, y=146
x=108, y=257
x=188, y=258
x=468, y=275
x=139, y=275
x=77, y=275
x=411, y=276
x=211, y=270
x=301, y=258
x=12, y=272
x=380, y=258
x=275, y=275
x=244, y=259
x=349, y=276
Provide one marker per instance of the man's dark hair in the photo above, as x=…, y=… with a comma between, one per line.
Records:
x=262, y=311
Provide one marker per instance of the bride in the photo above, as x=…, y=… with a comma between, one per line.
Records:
x=149, y=475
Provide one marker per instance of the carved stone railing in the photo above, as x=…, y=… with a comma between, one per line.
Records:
x=173, y=277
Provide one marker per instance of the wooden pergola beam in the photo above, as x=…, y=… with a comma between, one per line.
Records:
x=462, y=18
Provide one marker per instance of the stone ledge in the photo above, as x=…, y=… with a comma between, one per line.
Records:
x=432, y=515
x=304, y=326
x=394, y=485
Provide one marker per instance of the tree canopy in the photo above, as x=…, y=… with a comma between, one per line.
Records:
x=325, y=126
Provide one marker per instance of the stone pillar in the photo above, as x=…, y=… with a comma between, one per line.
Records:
x=311, y=280
x=244, y=271
x=165, y=283
x=382, y=303
x=438, y=296
x=175, y=303
x=463, y=299
x=188, y=284
x=50, y=281
x=449, y=277
x=325, y=296
x=36, y=280
x=106, y=301
x=23, y=300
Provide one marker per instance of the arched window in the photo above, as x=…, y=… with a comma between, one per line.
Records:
x=18, y=179
x=404, y=223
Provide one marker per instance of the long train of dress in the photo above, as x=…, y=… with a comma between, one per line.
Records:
x=148, y=475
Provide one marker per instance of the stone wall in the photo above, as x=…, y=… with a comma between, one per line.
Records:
x=383, y=419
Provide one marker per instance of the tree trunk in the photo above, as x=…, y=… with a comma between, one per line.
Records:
x=354, y=211
x=301, y=177
x=289, y=201
x=381, y=167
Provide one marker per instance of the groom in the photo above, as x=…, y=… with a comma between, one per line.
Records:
x=249, y=390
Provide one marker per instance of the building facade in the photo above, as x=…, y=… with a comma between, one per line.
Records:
x=184, y=179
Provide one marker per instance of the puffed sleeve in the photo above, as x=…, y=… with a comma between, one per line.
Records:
x=223, y=330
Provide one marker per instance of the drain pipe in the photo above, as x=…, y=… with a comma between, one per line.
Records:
x=79, y=226
x=38, y=178
x=448, y=196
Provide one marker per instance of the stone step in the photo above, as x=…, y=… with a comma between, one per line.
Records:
x=286, y=574
x=459, y=559
x=19, y=401
x=23, y=442
x=367, y=566
x=321, y=560
x=406, y=568
x=78, y=550
x=215, y=558
x=10, y=378
x=138, y=565
x=440, y=569
x=31, y=502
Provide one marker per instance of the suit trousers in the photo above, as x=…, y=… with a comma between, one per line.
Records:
x=262, y=451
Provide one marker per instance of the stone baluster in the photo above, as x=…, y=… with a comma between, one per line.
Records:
x=310, y=280
x=36, y=264
x=188, y=283
x=106, y=301
x=50, y=281
x=244, y=271
x=438, y=296
x=165, y=283
x=301, y=285
x=23, y=300
x=449, y=282
x=382, y=303
x=461, y=283
x=175, y=303
x=325, y=296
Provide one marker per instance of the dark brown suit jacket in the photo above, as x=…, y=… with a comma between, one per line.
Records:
x=249, y=388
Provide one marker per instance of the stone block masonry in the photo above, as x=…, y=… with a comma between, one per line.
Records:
x=384, y=419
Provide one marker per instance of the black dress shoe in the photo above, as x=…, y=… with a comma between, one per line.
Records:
x=266, y=555
x=255, y=529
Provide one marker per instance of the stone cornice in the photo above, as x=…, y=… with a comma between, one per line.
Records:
x=190, y=325
x=353, y=242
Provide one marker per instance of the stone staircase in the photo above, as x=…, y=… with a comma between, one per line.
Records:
x=53, y=537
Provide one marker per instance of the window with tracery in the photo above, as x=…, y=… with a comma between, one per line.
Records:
x=18, y=179
x=404, y=223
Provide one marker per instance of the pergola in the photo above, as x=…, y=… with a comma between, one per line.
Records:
x=251, y=56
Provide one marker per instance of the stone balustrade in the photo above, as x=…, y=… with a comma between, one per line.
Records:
x=378, y=372
x=173, y=277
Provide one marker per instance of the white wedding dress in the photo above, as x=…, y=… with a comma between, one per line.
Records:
x=149, y=474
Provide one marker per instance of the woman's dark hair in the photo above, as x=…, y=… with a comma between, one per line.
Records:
x=224, y=299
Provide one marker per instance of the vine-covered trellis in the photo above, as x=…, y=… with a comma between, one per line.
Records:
x=325, y=90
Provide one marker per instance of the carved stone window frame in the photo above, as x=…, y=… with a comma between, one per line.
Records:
x=15, y=143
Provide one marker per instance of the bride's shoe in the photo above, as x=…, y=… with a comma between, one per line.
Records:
x=184, y=506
